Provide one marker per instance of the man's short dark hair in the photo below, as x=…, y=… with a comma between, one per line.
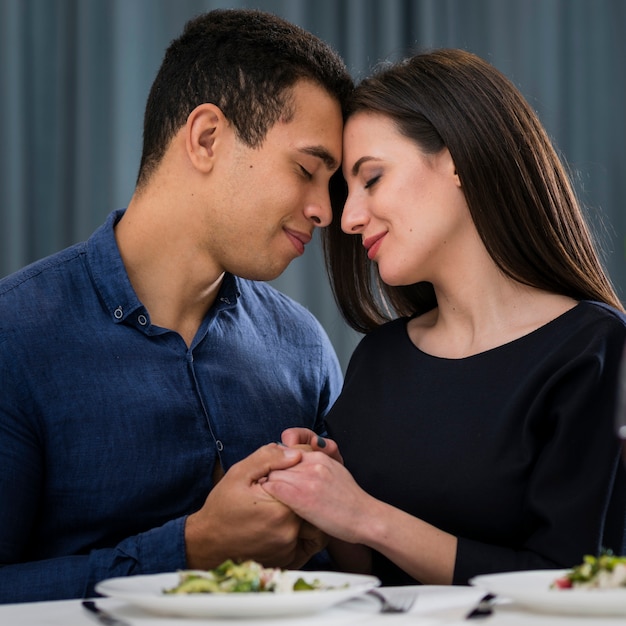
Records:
x=244, y=62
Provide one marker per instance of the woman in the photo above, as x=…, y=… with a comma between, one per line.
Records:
x=476, y=422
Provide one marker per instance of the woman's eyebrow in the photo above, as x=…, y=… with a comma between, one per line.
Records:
x=355, y=168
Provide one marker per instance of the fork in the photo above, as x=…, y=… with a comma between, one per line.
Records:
x=401, y=603
x=484, y=608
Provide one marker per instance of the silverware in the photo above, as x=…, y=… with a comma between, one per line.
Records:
x=484, y=608
x=102, y=616
x=401, y=602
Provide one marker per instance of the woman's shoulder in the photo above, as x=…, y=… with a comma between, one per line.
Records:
x=594, y=318
x=602, y=311
x=382, y=339
x=588, y=330
x=393, y=328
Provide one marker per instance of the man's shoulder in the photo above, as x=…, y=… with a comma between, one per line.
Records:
x=42, y=274
x=35, y=297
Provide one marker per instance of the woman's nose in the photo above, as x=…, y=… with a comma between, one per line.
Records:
x=354, y=217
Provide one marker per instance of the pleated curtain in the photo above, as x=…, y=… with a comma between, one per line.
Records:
x=75, y=74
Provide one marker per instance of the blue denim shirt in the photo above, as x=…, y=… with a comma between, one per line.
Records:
x=110, y=427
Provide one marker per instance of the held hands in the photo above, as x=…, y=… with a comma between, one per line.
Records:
x=320, y=490
x=240, y=520
x=308, y=440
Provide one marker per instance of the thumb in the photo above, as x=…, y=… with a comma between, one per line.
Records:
x=270, y=457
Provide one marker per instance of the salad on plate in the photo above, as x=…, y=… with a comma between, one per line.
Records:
x=246, y=577
x=602, y=572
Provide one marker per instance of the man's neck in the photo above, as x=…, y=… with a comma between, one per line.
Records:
x=173, y=281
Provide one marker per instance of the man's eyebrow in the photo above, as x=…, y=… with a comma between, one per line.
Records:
x=321, y=153
x=355, y=168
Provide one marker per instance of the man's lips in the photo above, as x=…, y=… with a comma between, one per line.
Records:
x=298, y=239
x=371, y=244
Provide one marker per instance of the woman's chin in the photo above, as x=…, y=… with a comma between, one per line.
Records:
x=394, y=279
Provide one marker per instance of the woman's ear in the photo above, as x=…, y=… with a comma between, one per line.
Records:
x=450, y=166
x=203, y=132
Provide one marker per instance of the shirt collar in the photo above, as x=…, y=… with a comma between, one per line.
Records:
x=229, y=291
x=112, y=282
x=108, y=271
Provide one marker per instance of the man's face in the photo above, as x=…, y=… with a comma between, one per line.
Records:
x=272, y=197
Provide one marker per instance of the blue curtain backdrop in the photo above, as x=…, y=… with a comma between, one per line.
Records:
x=75, y=74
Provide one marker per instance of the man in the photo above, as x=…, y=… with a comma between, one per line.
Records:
x=145, y=372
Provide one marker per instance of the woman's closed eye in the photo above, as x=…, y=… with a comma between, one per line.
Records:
x=372, y=181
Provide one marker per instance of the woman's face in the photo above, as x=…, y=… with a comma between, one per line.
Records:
x=407, y=206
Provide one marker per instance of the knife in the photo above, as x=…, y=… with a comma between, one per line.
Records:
x=102, y=616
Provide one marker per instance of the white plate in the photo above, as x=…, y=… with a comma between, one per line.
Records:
x=147, y=592
x=531, y=589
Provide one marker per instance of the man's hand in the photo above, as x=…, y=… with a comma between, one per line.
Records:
x=323, y=492
x=240, y=520
x=311, y=540
x=307, y=439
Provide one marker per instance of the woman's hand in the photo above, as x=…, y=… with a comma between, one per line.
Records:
x=307, y=439
x=323, y=492
x=320, y=490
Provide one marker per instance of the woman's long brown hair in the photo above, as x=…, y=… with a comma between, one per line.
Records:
x=518, y=192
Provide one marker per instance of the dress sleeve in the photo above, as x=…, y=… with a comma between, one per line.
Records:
x=576, y=494
x=331, y=383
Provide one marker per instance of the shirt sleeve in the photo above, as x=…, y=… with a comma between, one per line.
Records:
x=576, y=494
x=22, y=472
x=158, y=550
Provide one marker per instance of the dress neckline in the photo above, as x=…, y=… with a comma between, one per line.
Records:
x=526, y=337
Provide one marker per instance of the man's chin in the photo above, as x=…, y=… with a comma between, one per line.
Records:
x=265, y=274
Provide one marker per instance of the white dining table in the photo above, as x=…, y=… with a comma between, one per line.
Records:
x=435, y=606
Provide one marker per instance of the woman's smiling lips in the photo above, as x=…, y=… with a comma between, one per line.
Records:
x=298, y=239
x=371, y=244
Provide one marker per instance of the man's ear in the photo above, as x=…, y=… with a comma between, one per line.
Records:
x=203, y=132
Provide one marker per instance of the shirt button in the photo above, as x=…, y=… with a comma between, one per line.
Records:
x=142, y=319
x=219, y=445
x=118, y=313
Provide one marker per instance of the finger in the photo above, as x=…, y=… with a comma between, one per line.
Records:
x=329, y=448
x=270, y=457
x=304, y=436
x=297, y=436
x=284, y=487
x=311, y=463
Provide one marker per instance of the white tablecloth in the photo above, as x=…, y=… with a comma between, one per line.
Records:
x=435, y=606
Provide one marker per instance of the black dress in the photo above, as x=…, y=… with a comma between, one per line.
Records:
x=512, y=450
